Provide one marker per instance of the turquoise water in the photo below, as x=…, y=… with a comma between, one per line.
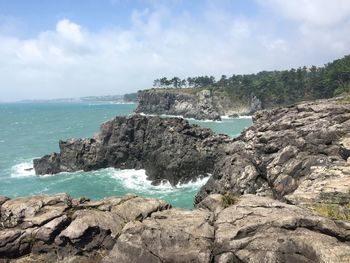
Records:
x=31, y=130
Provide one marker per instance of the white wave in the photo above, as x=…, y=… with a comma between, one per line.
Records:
x=245, y=117
x=137, y=180
x=226, y=117
x=23, y=169
x=206, y=120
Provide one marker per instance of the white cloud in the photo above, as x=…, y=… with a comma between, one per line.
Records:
x=72, y=61
x=69, y=31
x=313, y=12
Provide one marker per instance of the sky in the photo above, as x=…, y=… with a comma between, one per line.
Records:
x=74, y=48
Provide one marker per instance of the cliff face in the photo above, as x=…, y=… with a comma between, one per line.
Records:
x=189, y=103
x=168, y=149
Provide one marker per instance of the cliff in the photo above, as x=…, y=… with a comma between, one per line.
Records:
x=193, y=103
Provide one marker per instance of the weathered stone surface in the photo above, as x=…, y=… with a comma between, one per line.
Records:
x=296, y=154
x=169, y=236
x=259, y=229
x=203, y=104
x=3, y=199
x=252, y=229
x=169, y=149
x=32, y=211
x=68, y=227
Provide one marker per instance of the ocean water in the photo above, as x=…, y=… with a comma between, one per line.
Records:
x=31, y=130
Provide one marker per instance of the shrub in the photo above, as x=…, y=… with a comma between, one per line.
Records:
x=229, y=199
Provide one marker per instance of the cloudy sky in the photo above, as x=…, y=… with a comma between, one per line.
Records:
x=73, y=48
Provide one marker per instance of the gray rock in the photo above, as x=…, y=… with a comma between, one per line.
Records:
x=199, y=106
x=258, y=229
x=68, y=227
x=135, y=229
x=168, y=149
x=296, y=154
x=169, y=236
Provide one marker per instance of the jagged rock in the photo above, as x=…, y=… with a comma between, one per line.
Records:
x=169, y=149
x=68, y=227
x=323, y=185
x=136, y=229
x=25, y=211
x=258, y=229
x=213, y=202
x=169, y=236
x=296, y=154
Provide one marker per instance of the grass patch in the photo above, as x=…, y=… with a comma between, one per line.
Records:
x=334, y=211
x=229, y=199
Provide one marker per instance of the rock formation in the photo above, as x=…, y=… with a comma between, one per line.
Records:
x=190, y=103
x=297, y=154
x=168, y=149
x=135, y=229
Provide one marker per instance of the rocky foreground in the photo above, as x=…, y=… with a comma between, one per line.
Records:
x=133, y=229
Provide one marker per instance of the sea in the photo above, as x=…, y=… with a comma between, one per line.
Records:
x=31, y=130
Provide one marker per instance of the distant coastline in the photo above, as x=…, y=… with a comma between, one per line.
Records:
x=119, y=99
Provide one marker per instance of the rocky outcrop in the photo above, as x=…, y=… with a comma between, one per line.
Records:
x=297, y=154
x=168, y=149
x=135, y=229
x=60, y=226
x=192, y=103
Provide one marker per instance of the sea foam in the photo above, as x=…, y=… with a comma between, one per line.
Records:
x=23, y=169
x=137, y=180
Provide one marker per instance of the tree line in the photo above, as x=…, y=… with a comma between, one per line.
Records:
x=274, y=87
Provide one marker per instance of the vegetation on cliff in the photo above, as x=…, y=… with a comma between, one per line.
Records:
x=274, y=87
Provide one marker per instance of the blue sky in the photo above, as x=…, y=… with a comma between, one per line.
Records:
x=72, y=48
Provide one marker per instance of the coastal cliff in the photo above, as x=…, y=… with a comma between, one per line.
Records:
x=192, y=103
x=280, y=192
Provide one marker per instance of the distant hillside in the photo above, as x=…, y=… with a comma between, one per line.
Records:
x=132, y=97
x=272, y=88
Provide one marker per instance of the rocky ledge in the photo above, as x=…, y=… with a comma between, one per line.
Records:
x=298, y=155
x=168, y=149
x=134, y=229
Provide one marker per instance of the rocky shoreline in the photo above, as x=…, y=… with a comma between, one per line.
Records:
x=297, y=154
x=280, y=192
